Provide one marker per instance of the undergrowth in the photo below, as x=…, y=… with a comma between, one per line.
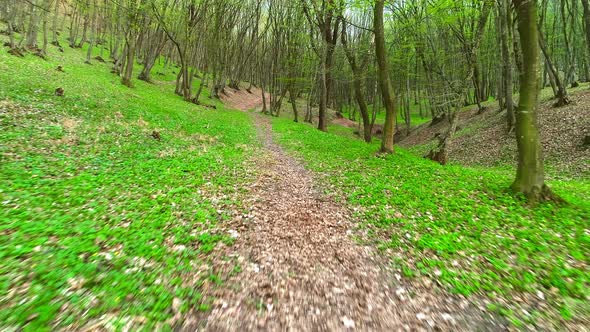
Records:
x=109, y=196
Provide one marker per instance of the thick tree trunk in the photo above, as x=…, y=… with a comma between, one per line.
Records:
x=530, y=175
x=586, y=6
x=146, y=71
x=186, y=83
x=128, y=68
x=119, y=62
x=92, y=40
x=384, y=80
x=45, y=32
x=264, y=107
x=84, y=28
x=178, y=89
x=200, y=90
x=33, y=28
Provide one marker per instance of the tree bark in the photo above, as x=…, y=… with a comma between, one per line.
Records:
x=384, y=80
x=128, y=68
x=505, y=19
x=586, y=6
x=294, y=105
x=359, y=94
x=530, y=175
x=561, y=96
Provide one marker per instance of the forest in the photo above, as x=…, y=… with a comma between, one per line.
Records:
x=314, y=165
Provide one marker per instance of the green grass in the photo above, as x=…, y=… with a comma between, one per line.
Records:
x=98, y=220
x=415, y=118
x=457, y=225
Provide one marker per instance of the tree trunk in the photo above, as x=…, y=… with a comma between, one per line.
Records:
x=45, y=32
x=32, y=30
x=505, y=19
x=128, y=68
x=92, y=40
x=294, y=105
x=586, y=6
x=264, y=107
x=561, y=96
x=384, y=80
x=530, y=175
x=359, y=94
x=322, y=125
x=55, y=40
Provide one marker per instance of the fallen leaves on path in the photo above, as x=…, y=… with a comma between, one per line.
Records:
x=300, y=269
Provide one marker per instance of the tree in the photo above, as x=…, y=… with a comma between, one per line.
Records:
x=323, y=17
x=358, y=83
x=384, y=80
x=530, y=175
x=505, y=27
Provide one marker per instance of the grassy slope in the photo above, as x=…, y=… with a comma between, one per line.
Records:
x=98, y=220
x=458, y=225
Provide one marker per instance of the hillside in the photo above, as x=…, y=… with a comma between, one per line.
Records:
x=482, y=139
x=110, y=196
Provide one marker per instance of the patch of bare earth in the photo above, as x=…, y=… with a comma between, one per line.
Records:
x=242, y=99
x=344, y=122
x=301, y=270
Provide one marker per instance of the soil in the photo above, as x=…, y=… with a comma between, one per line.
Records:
x=344, y=122
x=242, y=99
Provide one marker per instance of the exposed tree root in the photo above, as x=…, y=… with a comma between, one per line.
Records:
x=537, y=194
x=17, y=52
x=562, y=101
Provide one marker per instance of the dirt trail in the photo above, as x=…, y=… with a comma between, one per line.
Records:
x=301, y=270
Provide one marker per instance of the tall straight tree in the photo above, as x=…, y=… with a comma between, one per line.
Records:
x=505, y=30
x=321, y=14
x=530, y=175
x=586, y=8
x=384, y=80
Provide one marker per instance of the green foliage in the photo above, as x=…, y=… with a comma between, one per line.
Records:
x=99, y=220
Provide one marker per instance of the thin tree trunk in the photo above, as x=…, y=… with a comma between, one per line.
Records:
x=505, y=18
x=561, y=96
x=384, y=80
x=359, y=94
x=322, y=125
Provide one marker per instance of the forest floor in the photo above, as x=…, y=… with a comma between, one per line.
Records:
x=304, y=270
x=128, y=209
